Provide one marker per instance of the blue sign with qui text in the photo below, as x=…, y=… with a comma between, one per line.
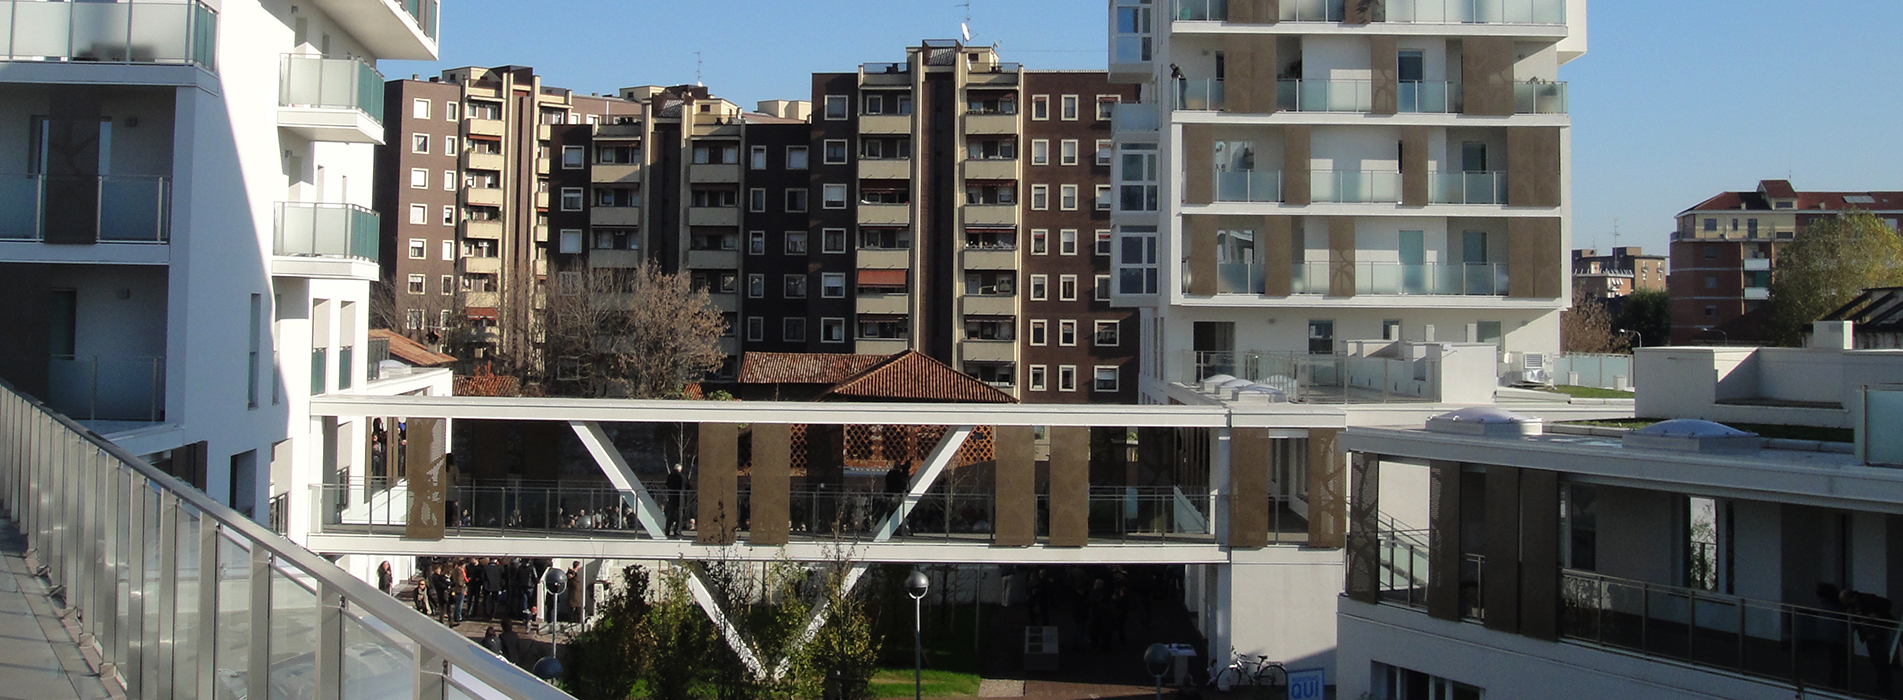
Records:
x=1307, y=684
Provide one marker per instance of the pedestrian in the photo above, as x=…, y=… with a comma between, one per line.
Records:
x=1875, y=625
x=493, y=605
x=385, y=577
x=675, y=484
x=577, y=594
x=458, y=591
x=511, y=643
x=492, y=641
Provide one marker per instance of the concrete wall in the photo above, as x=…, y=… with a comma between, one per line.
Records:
x=1689, y=382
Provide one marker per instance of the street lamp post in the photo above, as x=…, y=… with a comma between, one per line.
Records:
x=1157, y=659
x=916, y=584
x=1636, y=336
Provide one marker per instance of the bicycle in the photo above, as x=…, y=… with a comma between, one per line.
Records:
x=1259, y=672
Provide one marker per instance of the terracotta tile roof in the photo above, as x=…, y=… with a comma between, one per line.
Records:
x=409, y=351
x=1777, y=189
x=1806, y=201
x=803, y=367
x=913, y=376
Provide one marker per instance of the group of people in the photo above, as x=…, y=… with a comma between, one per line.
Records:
x=1097, y=606
x=497, y=589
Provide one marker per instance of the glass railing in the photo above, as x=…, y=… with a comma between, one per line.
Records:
x=345, y=357
x=1134, y=116
x=1431, y=279
x=330, y=83
x=1402, y=568
x=1202, y=94
x=1467, y=188
x=1238, y=278
x=1313, y=11
x=148, y=31
x=1132, y=48
x=1428, y=97
x=1354, y=186
x=1328, y=377
x=85, y=208
x=91, y=387
x=161, y=576
x=1324, y=95
x=326, y=230
x=424, y=12
x=1199, y=10
x=320, y=370
x=1248, y=186
x=1476, y=11
x=1539, y=97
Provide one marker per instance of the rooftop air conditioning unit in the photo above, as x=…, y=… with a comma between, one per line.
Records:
x=1532, y=369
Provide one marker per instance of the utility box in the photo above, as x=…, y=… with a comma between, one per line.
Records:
x=1040, y=648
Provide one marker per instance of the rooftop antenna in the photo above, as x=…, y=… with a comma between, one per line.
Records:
x=965, y=27
x=697, y=63
x=1615, y=234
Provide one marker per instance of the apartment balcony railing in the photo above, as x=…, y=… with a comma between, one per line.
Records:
x=1324, y=95
x=1552, y=12
x=320, y=370
x=1467, y=188
x=1200, y=94
x=91, y=387
x=1331, y=378
x=330, y=83
x=1539, y=97
x=1431, y=279
x=161, y=576
x=1428, y=97
x=326, y=230
x=1313, y=11
x=1354, y=186
x=85, y=208
x=425, y=13
x=1248, y=186
x=148, y=31
x=1134, y=116
x=1199, y=10
x=1239, y=278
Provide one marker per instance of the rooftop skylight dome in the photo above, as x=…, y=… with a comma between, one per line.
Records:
x=1259, y=393
x=1486, y=421
x=1210, y=383
x=1692, y=435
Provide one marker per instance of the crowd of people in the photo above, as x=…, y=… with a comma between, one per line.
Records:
x=506, y=592
x=1099, y=608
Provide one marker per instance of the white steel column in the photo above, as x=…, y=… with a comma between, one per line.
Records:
x=621, y=475
x=922, y=481
x=698, y=588
x=817, y=619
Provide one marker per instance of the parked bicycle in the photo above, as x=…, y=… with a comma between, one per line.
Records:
x=1242, y=670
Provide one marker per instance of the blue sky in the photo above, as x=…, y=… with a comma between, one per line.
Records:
x=1675, y=101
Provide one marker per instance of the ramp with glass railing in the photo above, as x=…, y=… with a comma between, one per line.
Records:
x=184, y=597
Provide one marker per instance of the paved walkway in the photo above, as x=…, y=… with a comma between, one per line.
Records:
x=38, y=658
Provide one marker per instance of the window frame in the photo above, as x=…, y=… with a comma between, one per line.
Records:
x=419, y=178
x=845, y=108
x=1069, y=108
x=418, y=284
x=804, y=200
x=805, y=158
x=1036, y=377
x=1040, y=108
x=1067, y=377
x=793, y=243
x=579, y=195
x=419, y=143
x=1067, y=197
x=1040, y=197
x=1067, y=328
x=827, y=236
x=824, y=287
x=826, y=191
x=1039, y=288
x=832, y=322
x=1067, y=241
x=756, y=329
x=756, y=199
x=787, y=326
x=1107, y=106
x=1040, y=151
x=419, y=249
x=1038, y=332
x=580, y=157
x=826, y=152
x=1067, y=152
x=1097, y=331
x=1096, y=379
x=756, y=285
x=756, y=158
x=1067, y=288
x=789, y=283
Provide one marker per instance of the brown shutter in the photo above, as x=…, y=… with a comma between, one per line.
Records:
x=1486, y=67
x=1384, y=59
x=716, y=481
x=1500, y=594
x=1016, y=484
x=1443, y=541
x=1070, y=486
x=771, y=479
x=1248, y=526
x=1277, y=258
x=1341, y=256
x=1534, y=259
x=1414, y=173
x=1201, y=231
x=1327, y=490
x=1296, y=146
x=1199, y=158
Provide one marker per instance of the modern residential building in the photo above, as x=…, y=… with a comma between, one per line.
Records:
x=1681, y=559
x=1626, y=270
x=1304, y=174
x=1725, y=247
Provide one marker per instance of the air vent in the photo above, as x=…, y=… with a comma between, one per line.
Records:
x=1485, y=421
x=1692, y=435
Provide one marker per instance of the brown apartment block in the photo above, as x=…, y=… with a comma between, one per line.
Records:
x=1725, y=249
x=1625, y=270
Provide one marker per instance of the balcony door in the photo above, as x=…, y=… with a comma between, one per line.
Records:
x=69, y=154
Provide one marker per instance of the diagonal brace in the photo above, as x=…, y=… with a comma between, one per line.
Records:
x=621, y=475
x=817, y=619
x=697, y=586
x=922, y=481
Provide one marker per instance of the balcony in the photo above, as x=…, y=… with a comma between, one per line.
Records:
x=885, y=258
x=991, y=258
x=482, y=266
x=1354, y=187
x=1200, y=94
x=1428, y=97
x=388, y=29
x=713, y=259
x=1539, y=97
x=337, y=241
x=885, y=214
x=90, y=387
x=991, y=215
x=339, y=100
x=486, y=127
x=1533, y=12
x=1324, y=95
x=982, y=124
x=1467, y=188
x=1757, y=293
x=90, y=34
x=885, y=74
x=885, y=168
x=1313, y=11
x=614, y=216
x=487, y=230
x=998, y=169
x=725, y=303
x=885, y=303
x=1248, y=186
x=1404, y=279
x=716, y=173
x=713, y=216
x=85, y=208
x=483, y=196
x=991, y=304
x=885, y=124
x=493, y=162
x=989, y=350
x=615, y=173
x=1757, y=264
x=1134, y=117
x=881, y=346
x=1200, y=10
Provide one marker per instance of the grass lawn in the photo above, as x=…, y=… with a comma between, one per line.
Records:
x=1588, y=392
x=897, y=683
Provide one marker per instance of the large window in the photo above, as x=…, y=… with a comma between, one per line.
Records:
x=793, y=330
x=1136, y=260
x=573, y=157
x=832, y=196
x=796, y=199
x=836, y=108
x=1136, y=178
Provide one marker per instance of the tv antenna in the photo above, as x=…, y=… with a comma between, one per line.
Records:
x=965, y=27
x=697, y=65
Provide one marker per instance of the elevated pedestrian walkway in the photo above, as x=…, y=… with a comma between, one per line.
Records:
x=38, y=656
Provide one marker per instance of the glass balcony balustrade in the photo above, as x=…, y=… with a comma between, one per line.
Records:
x=326, y=230
x=85, y=208
x=144, y=32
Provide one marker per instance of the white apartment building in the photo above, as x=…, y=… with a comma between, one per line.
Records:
x=1306, y=173
x=186, y=237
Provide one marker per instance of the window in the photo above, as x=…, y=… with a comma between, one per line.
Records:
x=1036, y=378
x=1040, y=151
x=1711, y=252
x=832, y=285
x=449, y=250
x=1040, y=241
x=1711, y=283
x=1040, y=287
x=1066, y=378
x=1104, y=152
x=756, y=199
x=1103, y=198
x=573, y=157
x=1040, y=332
x=712, y=198
x=1106, y=380
x=418, y=248
x=832, y=240
x=419, y=178
x=756, y=286
x=449, y=145
x=717, y=154
x=757, y=158
x=1067, y=288
x=875, y=103
x=756, y=328
x=1107, y=335
x=413, y=319
x=416, y=284
x=1103, y=242
x=1107, y=106
x=796, y=199
x=449, y=216
x=795, y=243
x=836, y=107
x=1067, y=197
x=419, y=143
x=449, y=110
x=1068, y=108
x=1067, y=242
x=447, y=285
x=793, y=330
x=1711, y=312
x=756, y=243
x=795, y=157
x=1100, y=287
x=1136, y=260
x=835, y=153
x=1391, y=329
x=1711, y=224
x=1040, y=197
x=1041, y=107
x=832, y=330
x=1137, y=181
x=832, y=196
x=793, y=287
x=1067, y=152
x=449, y=180
x=571, y=199
x=570, y=241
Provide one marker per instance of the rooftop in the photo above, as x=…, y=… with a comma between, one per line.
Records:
x=1768, y=190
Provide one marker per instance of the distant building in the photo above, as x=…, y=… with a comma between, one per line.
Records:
x=1725, y=248
x=1877, y=317
x=1626, y=270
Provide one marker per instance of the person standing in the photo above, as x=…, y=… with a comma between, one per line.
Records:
x=577, y=594
x=492, y=585
x=385, y=578
x=458, y=591
x=675, y=485
x=1875, y=625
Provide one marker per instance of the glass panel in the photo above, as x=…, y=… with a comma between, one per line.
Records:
x=186, y=625
x=161, y=32
x=293, y=636
x=41, y=29
x=99, y=31
x=232, y=655
x=373, y=664
x=150, y=588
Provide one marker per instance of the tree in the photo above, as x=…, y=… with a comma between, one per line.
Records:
x=1587, y=327
x=1826, y=266
x=1647, y=312
x=636, y=333
x=605, y=662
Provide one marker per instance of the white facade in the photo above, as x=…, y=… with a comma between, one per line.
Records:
x=217, y=273
x=1338, y=173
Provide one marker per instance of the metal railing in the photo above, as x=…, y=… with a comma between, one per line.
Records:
x=1428, y=97
x=1312, y=95
x=1319, y=377
x=1539, y=97
x=1354, y=187
x=148, y=31
x=1403, y=567
x=185, y=597
x=330, y=83
x=1489, y=187
x=111, y=208
x=326, y=230
x=1432, y=279
x=1313, y=11
x=1248, y=185
x=1476, y=11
